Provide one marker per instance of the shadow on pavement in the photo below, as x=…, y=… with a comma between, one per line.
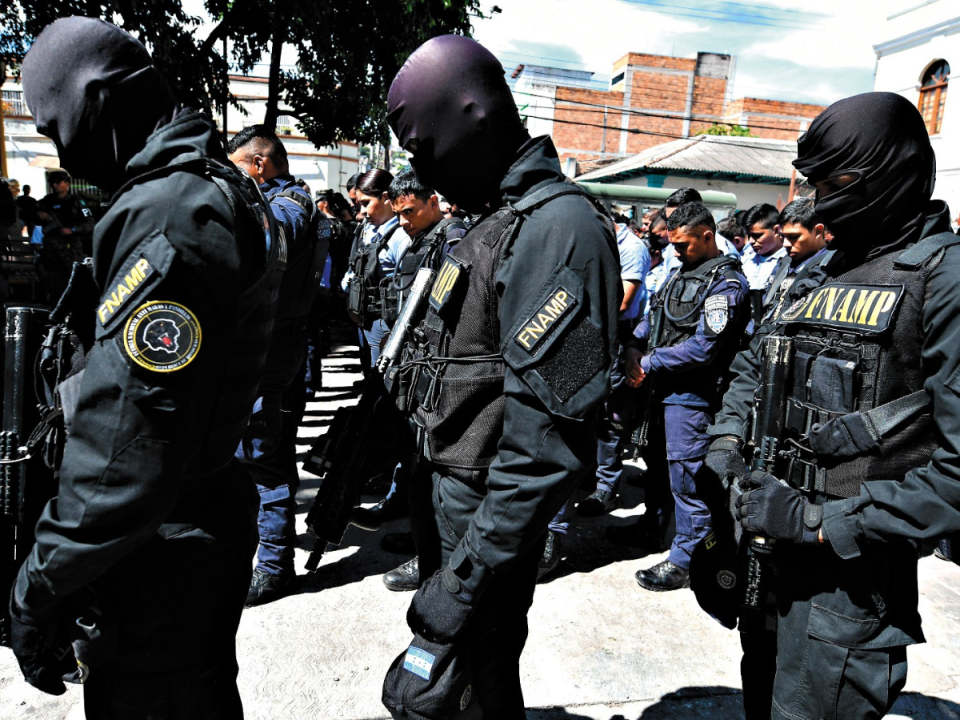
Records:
x=368, y=559
x=693, y=703
x=586, y=548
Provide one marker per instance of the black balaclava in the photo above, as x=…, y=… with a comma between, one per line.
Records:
x=882, y=137
x=94, y=91
x=451, y=108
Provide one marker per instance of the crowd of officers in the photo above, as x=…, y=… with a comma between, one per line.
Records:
x=789, y=377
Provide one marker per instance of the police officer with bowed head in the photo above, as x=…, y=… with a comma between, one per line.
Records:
x=863, y=420
x=514, y=358
x=151, y=537
x=684, y=347
x=432, y=237
x=269, y=444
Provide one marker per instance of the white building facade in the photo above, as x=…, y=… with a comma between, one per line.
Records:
x=920, y=43
x=30, y=155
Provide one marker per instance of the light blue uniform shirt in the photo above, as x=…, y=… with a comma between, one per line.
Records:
x=758, y=268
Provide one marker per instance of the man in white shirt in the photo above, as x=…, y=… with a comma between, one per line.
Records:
x=760, y=222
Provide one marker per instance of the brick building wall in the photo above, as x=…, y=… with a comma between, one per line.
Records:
x=662, y=98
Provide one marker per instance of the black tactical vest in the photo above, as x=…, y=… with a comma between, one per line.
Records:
x=455, y=356
x=422, y=250
x=854, y=407
x=675, y=313
x=363, y=294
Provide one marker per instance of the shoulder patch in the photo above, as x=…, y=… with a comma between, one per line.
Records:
x=451, y=272
x=419, y=662
x=559, y=303
x=716, y=312
x=161, y=336
x=128, y=285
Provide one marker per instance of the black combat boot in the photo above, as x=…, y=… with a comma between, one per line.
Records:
x=551, y=555
x=599, y=503
x=405, y=577
x=265, y=587
x=664, y=576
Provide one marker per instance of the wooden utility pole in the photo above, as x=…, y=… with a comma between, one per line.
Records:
x=793, y=186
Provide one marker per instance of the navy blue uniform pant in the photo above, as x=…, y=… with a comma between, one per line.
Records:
x=269, y=447
x=441, y=509
x=694, y=491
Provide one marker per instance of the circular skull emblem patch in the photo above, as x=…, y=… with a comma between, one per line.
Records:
x=162, y=336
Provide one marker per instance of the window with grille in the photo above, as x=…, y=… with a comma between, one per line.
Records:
x=933, y=95
x=286, y=125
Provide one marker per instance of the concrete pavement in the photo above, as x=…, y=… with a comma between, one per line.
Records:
x=600, y=647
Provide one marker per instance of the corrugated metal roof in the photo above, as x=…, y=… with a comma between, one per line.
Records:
x=720, y=156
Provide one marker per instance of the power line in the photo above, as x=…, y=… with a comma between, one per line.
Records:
x=637, y=131
x=644, y=113
x=695, y=11
x=603, y=86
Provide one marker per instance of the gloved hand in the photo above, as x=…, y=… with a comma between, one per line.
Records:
x=775, y=510
x=34, y=644
x=724, y=459
x=441, y=608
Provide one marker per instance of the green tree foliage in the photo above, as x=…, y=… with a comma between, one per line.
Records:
x=732, y=130
x=348, y=51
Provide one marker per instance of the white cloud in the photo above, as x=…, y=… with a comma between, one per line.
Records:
x=599, y=32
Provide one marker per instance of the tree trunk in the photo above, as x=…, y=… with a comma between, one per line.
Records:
x=273, y=96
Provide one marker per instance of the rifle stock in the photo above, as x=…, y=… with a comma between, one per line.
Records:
x=342, y=456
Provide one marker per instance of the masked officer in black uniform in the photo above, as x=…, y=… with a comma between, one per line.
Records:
x=67, y=228
x=514, y=358
x=153, y=528
x=270, y=441
x=863, y=466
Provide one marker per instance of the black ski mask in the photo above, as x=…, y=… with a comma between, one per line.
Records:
x=877, y=143
x=451, y=108
x=94, y=91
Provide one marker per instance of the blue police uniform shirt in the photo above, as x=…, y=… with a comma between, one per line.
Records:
x=288, y=214
x=759, y=268
x=634, y=266
x=807, y=261
x=685, y=362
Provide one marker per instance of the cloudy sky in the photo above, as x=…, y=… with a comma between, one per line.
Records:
x=811, y=51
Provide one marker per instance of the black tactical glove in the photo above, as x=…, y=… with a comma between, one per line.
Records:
x=34, y=643
x=441, y=608
x=724, y=459
x=775, y=510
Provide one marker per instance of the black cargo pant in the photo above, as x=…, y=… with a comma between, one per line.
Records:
x=838, y=654
x=177, y=602
x=441, y=509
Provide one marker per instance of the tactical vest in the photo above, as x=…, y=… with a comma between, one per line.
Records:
x=393, y=290
x=675, y=313
x=363, y=294
x=854, y=408
x=454, y=363
x=304, y=265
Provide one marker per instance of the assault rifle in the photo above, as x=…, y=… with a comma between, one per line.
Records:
x=26, y=483
x=345, y=456
x=767, y=430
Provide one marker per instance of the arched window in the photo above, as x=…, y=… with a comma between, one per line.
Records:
x=933, y=95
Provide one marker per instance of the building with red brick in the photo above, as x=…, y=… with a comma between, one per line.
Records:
x=652, y=99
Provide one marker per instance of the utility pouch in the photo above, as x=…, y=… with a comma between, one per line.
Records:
x=355, y=296
x=389, y=301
